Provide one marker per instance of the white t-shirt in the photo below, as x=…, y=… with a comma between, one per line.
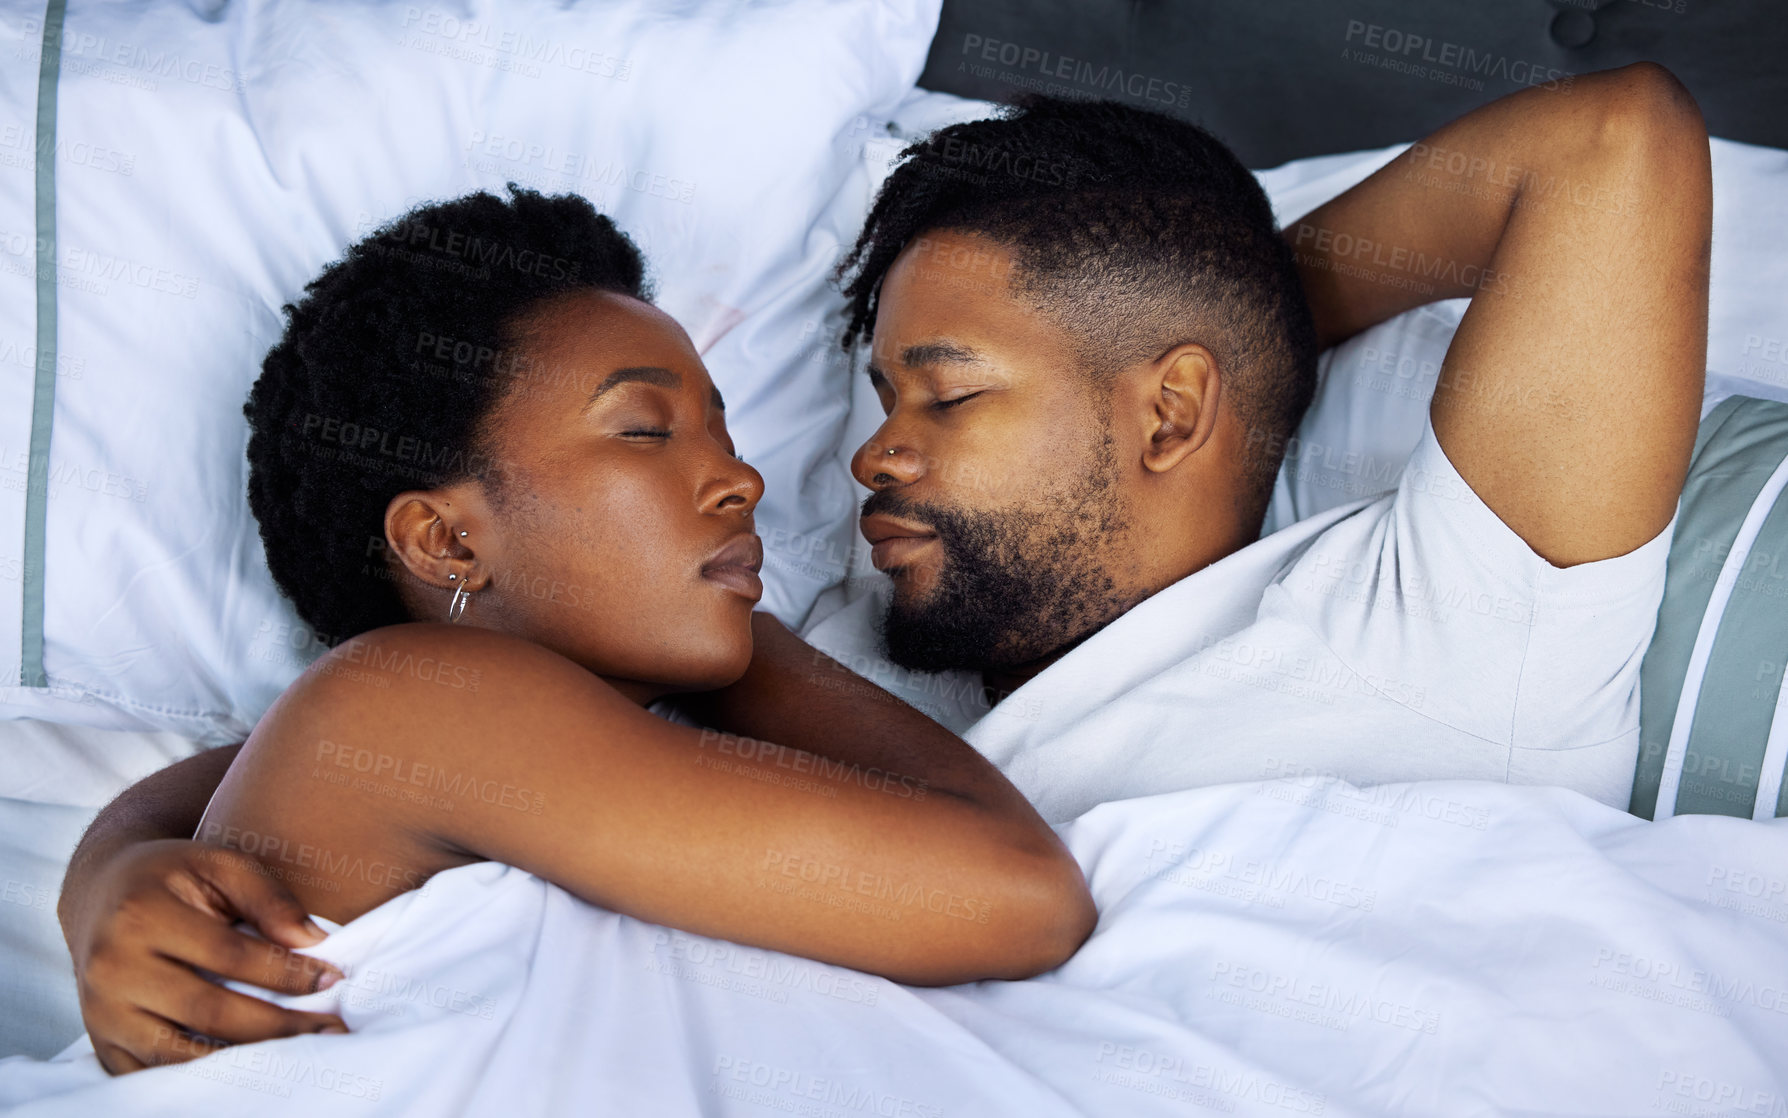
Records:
x=1411, y=636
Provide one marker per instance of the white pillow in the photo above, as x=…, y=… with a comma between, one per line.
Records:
x=210, y=162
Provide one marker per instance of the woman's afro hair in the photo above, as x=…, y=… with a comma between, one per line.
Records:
x=390, y=365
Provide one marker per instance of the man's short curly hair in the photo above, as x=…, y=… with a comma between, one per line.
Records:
x=391, y=363
x=1135, y=231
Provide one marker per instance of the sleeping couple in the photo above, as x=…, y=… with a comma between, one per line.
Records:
x=1088, y=384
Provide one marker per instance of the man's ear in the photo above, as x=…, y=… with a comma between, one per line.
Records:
x=423, y=527
x=1185, y=385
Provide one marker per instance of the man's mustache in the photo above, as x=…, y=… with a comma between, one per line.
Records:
x=888, y=502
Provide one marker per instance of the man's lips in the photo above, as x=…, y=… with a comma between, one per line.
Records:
x=894, y=543
x=736, y=565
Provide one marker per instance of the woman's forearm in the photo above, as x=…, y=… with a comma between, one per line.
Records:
x=797, y=696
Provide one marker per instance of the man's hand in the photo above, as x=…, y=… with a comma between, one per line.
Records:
x=141, y=907
x=156, y=910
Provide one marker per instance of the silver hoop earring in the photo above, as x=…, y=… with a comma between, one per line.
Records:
x=460, y=597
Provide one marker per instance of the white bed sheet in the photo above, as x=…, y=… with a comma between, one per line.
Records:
x=1298, y=946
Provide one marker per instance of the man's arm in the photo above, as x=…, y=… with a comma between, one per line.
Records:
x=141, y=907
x=1579, y=221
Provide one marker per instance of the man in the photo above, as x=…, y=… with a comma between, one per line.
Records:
x=1089, y=388
x=1091, y=345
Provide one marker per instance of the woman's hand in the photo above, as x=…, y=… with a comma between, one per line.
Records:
x=149, y=913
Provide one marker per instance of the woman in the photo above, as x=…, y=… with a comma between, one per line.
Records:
x=513, y=494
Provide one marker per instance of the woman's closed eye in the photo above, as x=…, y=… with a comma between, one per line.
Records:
x=646, y=433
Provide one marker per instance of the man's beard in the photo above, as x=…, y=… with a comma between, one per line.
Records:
x=1013, y=585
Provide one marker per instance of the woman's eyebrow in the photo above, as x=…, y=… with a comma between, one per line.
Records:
x=649, y=374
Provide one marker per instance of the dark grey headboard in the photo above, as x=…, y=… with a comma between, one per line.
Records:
x=1283, y=79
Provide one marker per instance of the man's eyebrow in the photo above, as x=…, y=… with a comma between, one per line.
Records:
x=939, y=353
x=649, y=374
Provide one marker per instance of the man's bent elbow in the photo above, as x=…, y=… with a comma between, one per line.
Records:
x=1646, y=110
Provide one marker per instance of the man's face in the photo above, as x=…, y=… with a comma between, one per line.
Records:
x=1001, y=513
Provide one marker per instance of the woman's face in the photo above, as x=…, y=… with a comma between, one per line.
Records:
x=619, y=529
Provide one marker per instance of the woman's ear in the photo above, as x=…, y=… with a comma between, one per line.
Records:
x=430, y=533
x=1185, y=386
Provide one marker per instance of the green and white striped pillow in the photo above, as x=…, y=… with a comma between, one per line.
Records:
x=1713, y=718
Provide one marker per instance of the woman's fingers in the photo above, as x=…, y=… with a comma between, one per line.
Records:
x=170, y=1015
x=188, y=1003
x=197, y=939
x=116, y=1059
x=169, y=1044
x=243, y=887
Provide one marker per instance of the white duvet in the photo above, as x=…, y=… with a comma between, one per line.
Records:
x=1289, y=947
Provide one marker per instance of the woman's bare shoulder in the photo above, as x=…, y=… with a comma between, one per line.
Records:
x=410, y=747
x=393, y=681
x=450, y=657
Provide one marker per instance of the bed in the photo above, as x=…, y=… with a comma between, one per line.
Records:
x=1300, y=946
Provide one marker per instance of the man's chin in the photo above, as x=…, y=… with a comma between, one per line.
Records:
x=912, y=650
x=925, y=636
x=913, y=584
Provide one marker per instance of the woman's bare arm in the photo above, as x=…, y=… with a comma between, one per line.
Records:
x=894, y=848
x=796, y=695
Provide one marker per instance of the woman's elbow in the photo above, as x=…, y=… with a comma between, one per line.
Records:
x=1041, y=912
x=1058, y=914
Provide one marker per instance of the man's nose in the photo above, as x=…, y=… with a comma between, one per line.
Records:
x=884, y=462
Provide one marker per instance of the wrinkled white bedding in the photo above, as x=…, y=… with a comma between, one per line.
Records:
x=1290, y=947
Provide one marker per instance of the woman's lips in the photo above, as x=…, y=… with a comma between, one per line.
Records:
x=740, y=579
x=735, y=566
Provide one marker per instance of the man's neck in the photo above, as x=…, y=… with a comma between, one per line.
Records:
x=998, y=683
